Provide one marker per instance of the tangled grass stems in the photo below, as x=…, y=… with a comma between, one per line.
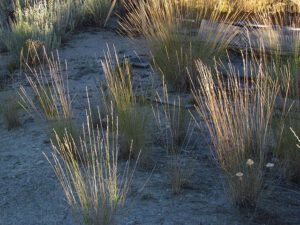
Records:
x=94, y=183
x=50, y=88
x=238, y=113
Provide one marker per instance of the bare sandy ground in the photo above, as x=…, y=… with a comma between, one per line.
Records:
x=31, y=195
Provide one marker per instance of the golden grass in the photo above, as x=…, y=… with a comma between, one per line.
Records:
x=178, y=34
x=238, y=114
x=94, y=183
x=133, y=119
x=49, y=85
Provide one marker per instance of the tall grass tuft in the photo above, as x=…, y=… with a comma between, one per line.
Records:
x=179, y=33
x=238, y=113
x=50, y=89
x=133, y=118
x=94, y=183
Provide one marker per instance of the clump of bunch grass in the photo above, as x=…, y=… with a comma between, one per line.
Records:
x=94, y=183
x=278, y=45
x=179, y=33
x=238, y=113
x=10, y=110
x=133, y=118
x=173, y=121
x=50, y=89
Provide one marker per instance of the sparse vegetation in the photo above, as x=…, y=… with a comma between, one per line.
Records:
x=10, y=110
x=221, y=75
x=180, y=172
x=173, y=121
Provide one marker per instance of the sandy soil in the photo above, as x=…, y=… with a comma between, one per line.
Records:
x=31, y=195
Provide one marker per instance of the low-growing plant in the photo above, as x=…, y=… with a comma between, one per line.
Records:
x=50, y=89
x=173, y=121
x=238, y=113
x=97, y=187
x=179, y=173
x=133, y=118
x=10, y=110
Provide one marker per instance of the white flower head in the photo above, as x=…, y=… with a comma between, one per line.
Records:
x=239, y=174
x=270, y=165
x=250, y=162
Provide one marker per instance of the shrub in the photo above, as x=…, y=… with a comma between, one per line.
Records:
x=33, y=23
x=50, y=22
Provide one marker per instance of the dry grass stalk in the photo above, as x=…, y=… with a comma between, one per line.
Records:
x=296, y=136
x=50, y=88
x=133, y=119
x=178, y=34
x=173, y=121
x=238, y=113
x=93, y=181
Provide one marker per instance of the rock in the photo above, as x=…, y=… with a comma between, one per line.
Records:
x=137, y=61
